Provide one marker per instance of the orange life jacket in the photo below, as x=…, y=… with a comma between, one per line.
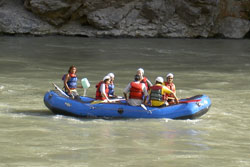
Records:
x=98, y=95
x=135, y=91
x=171, y=87
x=144, y=80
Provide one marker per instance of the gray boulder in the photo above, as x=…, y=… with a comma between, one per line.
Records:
x=127, y=18
x=232, y=27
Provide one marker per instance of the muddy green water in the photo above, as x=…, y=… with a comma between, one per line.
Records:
x=30, y=135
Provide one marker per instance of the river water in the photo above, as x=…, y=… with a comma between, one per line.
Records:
x=32, y=136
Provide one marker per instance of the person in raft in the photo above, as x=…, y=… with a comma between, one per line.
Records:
x=137, y=92
x=170, y=85
x=102, y=89
x=70, y=83
x=157, y=94
x=144, y=79
x=111, y=93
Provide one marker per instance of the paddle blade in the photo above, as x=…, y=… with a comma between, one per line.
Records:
x=85, y=83
x=144, y=107
x=60, y=90
x=97, y=102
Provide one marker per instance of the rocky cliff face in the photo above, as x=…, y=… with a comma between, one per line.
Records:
x=127, y=18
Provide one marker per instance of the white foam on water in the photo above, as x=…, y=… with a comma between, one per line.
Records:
x=1, y=87
x=58, y=117
x=193, y=121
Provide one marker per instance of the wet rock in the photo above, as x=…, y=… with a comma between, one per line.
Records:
x=231, y=27
x=1, y=2
x=53, y=11
x=127, y=18
x=14, y=19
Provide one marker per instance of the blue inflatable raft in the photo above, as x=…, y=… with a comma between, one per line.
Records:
x=189, y=108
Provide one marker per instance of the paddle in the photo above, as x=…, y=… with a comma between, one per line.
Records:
x=144, y=107
x=85, y=85
x=60, y=90
x=98, y=101
x=105, y=101
x=189, y=101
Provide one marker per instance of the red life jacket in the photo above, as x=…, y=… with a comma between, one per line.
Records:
x=70, y=74
x=98, y=94
x=144, y=80
x=156, y=93
x=171, y=87
x=135, y=91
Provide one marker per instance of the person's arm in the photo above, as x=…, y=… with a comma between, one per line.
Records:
x=125, y=96
x=102, y=89
x=79, y=86
x=170, y=92
x=176, y=99
x=148, y=99
x=145, y=93
x=149, y=83
x=126, y=90
x=112, y=90
x=174, y=88
x=67, y=77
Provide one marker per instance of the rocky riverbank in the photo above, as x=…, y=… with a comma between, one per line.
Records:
x=127, y=18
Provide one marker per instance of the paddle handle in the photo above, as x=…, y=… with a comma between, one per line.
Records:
x=189, y=101
x=84, y=91
x=60, y=90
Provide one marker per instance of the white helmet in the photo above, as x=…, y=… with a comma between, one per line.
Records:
x=106, y=77
x=142, y=71
x=159, y=79
x=170, y=75
x=112, y=75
